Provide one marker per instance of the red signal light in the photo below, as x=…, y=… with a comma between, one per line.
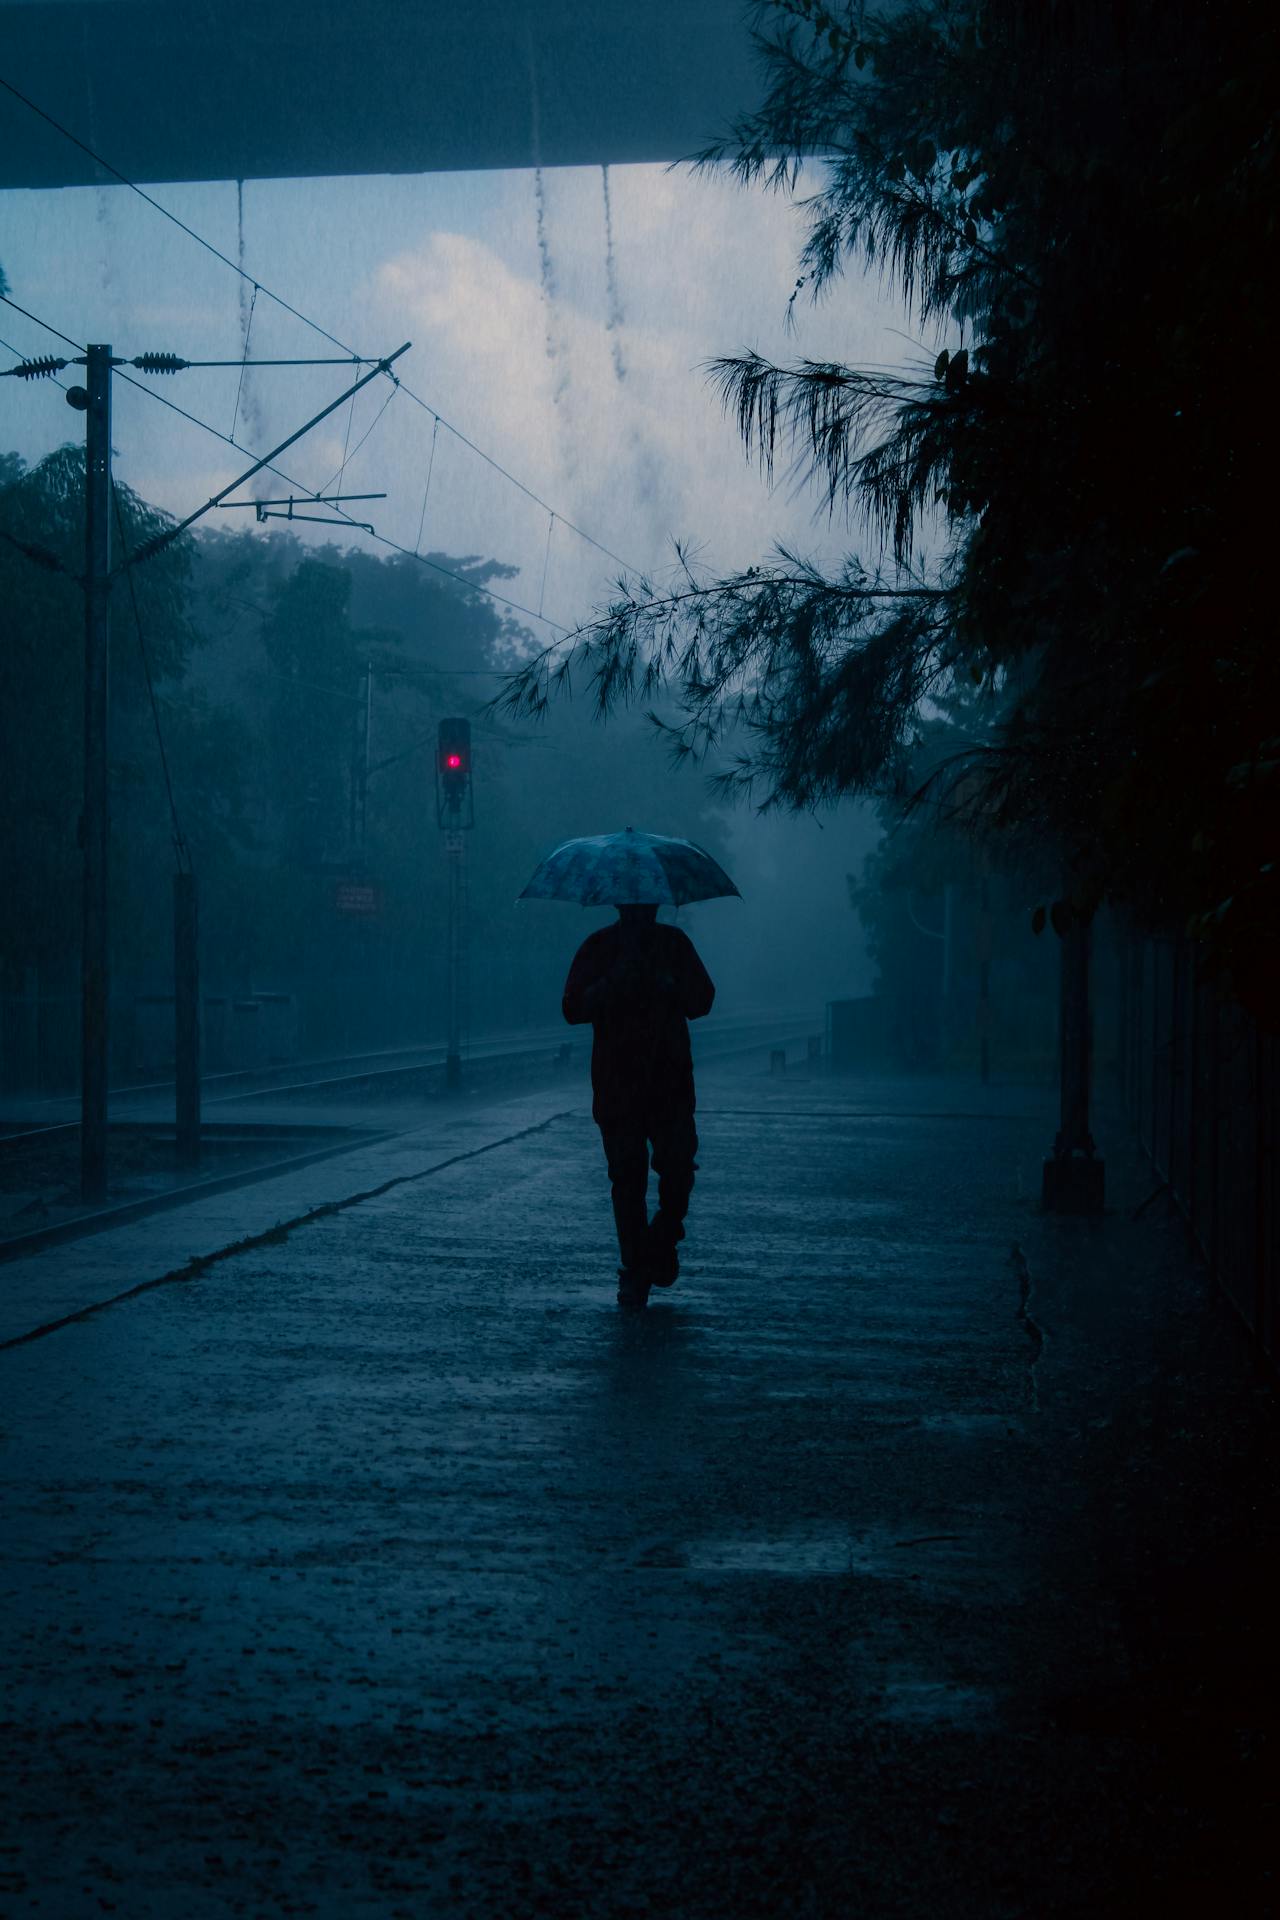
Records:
x=454, y=760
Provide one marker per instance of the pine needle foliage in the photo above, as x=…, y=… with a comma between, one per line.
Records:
x=1078, y=198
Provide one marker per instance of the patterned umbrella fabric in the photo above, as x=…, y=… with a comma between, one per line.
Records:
x=629, y=869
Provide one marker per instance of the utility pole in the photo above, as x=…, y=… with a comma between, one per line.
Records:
x=94, y=401
x=186, y=1009
x=94, y=980
x=364, y=766
x=358, y=809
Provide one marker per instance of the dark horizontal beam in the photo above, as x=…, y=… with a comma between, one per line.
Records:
x=239, y=89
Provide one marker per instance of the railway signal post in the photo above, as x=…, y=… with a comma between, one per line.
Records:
x=455, y=815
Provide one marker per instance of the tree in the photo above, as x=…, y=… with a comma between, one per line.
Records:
x=1062, y=503
x=41, y=720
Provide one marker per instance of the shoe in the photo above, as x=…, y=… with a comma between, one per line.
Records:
x=633, y=1289
x=663, y=1266
x=664, y=1229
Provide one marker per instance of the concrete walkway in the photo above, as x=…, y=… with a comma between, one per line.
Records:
x=382, y=1568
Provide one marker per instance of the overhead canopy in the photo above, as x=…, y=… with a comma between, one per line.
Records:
x=263, y=89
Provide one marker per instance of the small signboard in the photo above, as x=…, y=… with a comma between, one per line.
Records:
x=357, y=896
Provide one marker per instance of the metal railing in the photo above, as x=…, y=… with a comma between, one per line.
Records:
x=1199, y=1079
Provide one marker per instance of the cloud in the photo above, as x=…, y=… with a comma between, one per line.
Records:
x=700, y=267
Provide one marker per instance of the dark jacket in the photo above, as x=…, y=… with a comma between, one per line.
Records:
x=638, y=989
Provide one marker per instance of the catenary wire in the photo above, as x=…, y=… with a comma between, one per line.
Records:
x=473, y=586
x=10, y=348
x=347, y=458
x=306, y=320
x=27, y=315
x=426, y=491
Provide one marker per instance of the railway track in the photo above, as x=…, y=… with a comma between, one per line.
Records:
x=405, y=1072
x=389, y=1088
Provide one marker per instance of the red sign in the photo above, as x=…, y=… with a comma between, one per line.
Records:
x=354, y=896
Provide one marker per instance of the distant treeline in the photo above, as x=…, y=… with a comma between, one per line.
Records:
x=269, y=660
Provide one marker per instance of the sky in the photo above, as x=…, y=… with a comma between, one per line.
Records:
x=578, y=366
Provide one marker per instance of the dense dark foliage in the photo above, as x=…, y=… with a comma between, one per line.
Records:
x=1065, y=502
x=259, y=650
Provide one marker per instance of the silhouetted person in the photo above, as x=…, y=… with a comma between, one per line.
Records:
x=639, y=983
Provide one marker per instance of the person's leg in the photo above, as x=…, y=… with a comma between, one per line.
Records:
x=627, y=1152
x=675, y=1145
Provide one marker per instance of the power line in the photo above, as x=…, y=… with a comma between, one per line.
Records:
x=449, y=573
x=460, y=579
x=529, y=493
x=125, y=181
x=426, y=491
x=56, y=331
x=160, y=540
x=10, y=348
x=347, y=458
x=33, y=551
x=324, y=333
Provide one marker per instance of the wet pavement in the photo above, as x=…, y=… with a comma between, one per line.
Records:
x=384, y=1568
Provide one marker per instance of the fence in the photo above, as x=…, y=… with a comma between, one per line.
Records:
x=1199, y=1079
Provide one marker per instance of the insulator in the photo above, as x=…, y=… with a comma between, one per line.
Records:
x=160, y=363
x=42, y=369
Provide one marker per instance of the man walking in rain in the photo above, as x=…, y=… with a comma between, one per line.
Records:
x=639, y=983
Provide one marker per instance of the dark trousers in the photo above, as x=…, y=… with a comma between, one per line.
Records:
x=627, y=1143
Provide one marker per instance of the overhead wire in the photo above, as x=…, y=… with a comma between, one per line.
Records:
x=306, y=320
x=546, y=560
x=431, y=461
x=28, y=315
x=347, y=458
x=10, y=348
x=125, y=181
x=31, y=549
x=449, y=573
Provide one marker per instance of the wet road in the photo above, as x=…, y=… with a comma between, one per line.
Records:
x=389, y=1570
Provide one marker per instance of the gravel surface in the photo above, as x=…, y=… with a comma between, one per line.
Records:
x=388, y=1570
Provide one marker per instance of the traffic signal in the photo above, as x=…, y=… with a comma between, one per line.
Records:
x=453, y=772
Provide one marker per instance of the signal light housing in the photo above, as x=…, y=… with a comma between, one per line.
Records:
x=454, y=804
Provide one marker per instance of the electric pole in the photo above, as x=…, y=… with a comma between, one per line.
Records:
x=94, y=978
x=94, y=401
x=186, y=1014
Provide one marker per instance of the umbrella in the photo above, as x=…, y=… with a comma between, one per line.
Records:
x=629, y=869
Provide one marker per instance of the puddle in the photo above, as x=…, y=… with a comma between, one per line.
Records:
x=975, y=1423
x=928, y=1703
x=796, y=1555
x=880, y=1555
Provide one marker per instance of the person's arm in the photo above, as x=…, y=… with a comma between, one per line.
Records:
x=586, y=989
x=694, y=990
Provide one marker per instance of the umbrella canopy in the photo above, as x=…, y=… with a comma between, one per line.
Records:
x=629, y=869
